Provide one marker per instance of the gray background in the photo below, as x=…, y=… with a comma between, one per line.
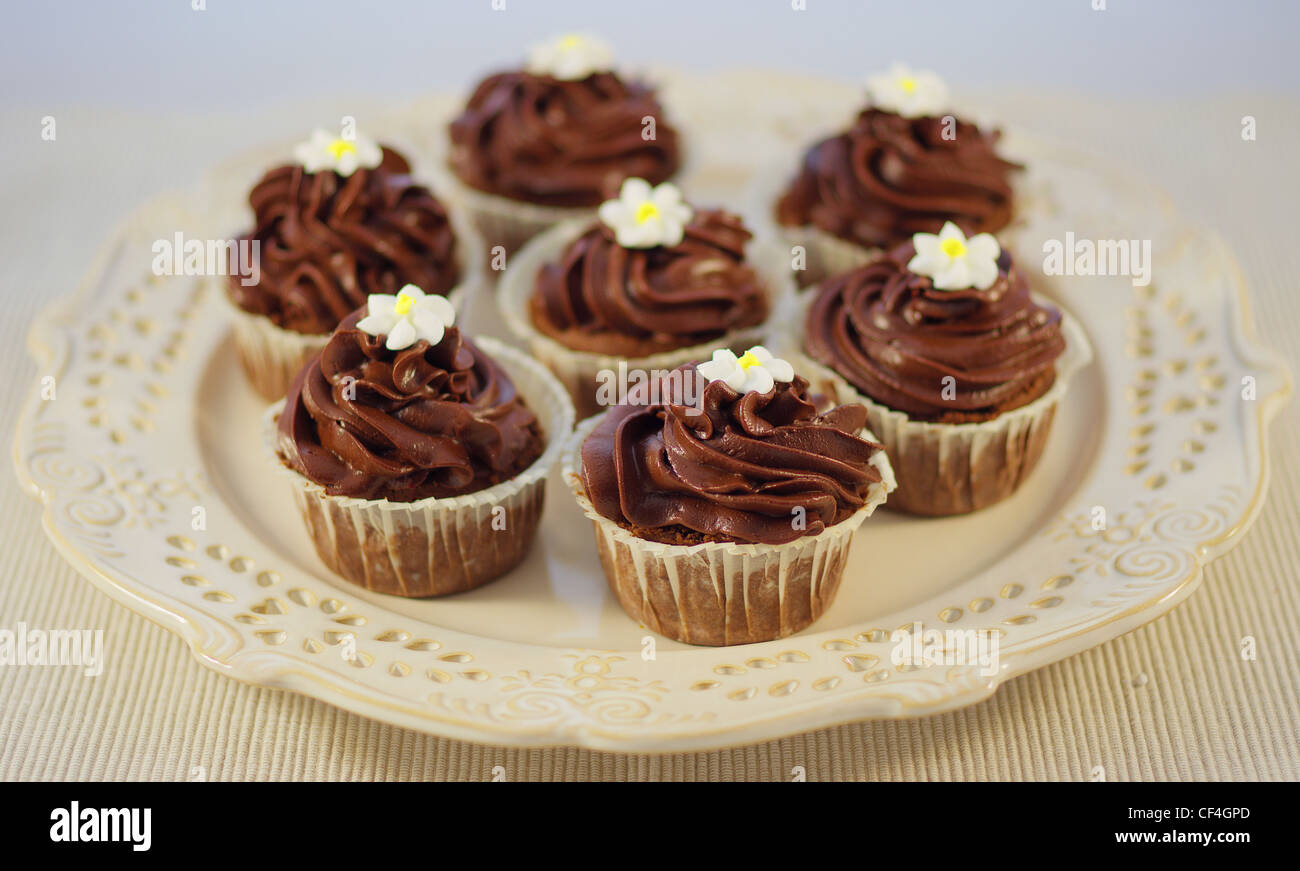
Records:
x=181, y=90
x=163, y=56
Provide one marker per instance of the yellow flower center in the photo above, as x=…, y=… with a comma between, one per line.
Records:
x=570, y=42
x=646, y=211
x=953, y=247
x=749, y=360
x=907, y=83
x=404, y=303
x=340, y=147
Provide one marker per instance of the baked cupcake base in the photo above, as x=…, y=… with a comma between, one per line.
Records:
x=945, y=468
x=435, y=546
x=583, y=372
x=721, y=593
x=271, y=356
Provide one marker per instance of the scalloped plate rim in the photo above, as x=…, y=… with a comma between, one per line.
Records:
x=49, y=341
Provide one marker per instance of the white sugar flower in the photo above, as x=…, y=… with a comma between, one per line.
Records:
x=955, y=262
x=643, y=217
x=408, y=317
x=325, y=151
x=571, y=57
x=754, y=371
x=907, y=93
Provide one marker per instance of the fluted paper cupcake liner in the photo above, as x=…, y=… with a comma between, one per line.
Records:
x=824, y=254
x=949, y=468
x=511, y=223
x=720, y=593
x=827, y=254
x=436, y=546
x=582, y=372
x=271, y=355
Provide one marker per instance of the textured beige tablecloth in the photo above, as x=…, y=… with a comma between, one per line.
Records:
x=1172, y=700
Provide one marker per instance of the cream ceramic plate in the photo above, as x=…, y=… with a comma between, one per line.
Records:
x=152, y=425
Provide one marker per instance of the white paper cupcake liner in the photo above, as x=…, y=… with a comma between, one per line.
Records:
x=271, y=355
x=720, y=593
x=511, y=223
x=947, y=468
x=824, y=255
x=827, y=254
x=436, y=546
x=582, y=372
x=501, y=221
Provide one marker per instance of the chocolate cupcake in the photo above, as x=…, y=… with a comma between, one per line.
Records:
x=549, y=143
x=724, y=504
x=417, y=457
x=650, y=285
x=960, y=368
x=343, y=221
x=903, y=167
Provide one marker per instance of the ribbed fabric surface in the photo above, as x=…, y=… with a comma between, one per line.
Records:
x=1172, y=700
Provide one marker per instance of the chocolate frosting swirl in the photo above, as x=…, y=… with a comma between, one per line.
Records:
x=429, y=420
x=732, y=468
x=560, y=143
x=632, y=302
x=888, y=177
x=328, y=242
x=895, y=337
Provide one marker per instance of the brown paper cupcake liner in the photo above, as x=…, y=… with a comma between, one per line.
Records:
x=582, y=372
x=944, y=468
x=720, y=593
x=436, y=546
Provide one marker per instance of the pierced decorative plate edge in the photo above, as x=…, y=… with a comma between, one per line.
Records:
x=221, y=646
